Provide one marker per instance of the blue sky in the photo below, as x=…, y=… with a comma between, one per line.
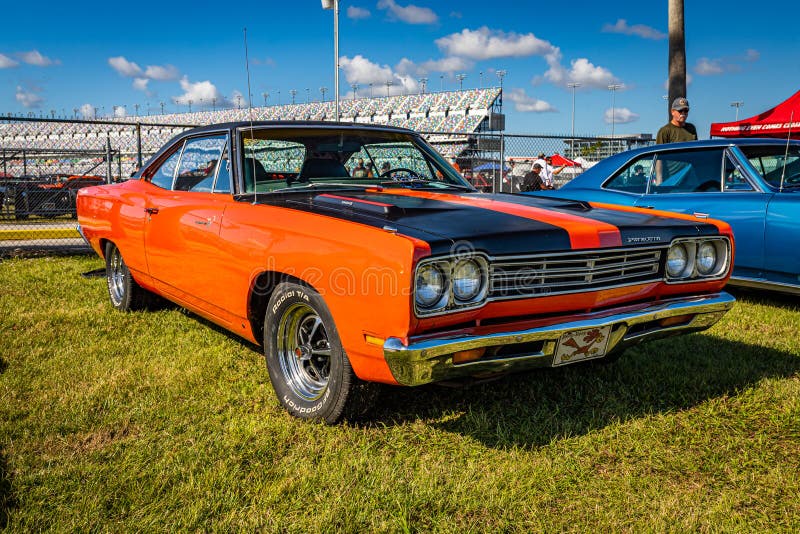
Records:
x=86, y=55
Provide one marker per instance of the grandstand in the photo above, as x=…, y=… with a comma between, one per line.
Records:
x=433, y=114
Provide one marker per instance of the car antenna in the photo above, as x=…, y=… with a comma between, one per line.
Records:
x=786, y=154
x=250, y=115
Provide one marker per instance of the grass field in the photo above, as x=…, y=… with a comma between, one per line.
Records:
x=158, y=421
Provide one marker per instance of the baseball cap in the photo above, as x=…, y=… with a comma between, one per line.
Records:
x=680, y=103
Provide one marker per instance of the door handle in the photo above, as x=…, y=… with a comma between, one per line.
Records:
x=151, y=211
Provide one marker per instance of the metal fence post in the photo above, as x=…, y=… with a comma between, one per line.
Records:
x=108, y=159
x=138, y=145
x=499, y=186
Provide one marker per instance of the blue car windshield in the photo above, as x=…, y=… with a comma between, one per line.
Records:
x=774, y=163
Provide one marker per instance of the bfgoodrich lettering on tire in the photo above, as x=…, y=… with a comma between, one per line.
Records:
x=307, y=365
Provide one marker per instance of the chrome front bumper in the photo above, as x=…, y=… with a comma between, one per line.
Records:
x=431, y=359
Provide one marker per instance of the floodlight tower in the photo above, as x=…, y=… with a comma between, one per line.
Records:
x=613, y=88
x=737, y=105
x=460, y=77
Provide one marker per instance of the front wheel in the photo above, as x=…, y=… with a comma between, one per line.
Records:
x=308, y=368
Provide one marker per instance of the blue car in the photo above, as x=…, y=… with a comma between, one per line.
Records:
x=753, y=184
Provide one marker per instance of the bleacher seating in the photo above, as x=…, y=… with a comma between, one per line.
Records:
x=437, y=113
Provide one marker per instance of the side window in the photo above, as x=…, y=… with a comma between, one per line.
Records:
x=734, y=179
x=164, y=174
x=271, y=163
x=633, y=178
x=223, y=183
x=693, y=171
x=198, y=164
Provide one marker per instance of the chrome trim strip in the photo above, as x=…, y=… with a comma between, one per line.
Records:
x=431, y=360
x=760, y=283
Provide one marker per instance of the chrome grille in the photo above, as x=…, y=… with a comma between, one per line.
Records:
x=553, y=274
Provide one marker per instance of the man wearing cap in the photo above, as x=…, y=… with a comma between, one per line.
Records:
x=532, y=181
x=546, y=171
x=677, y=129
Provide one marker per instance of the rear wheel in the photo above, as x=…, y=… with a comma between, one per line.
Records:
x=307, y=365
x=124, y=292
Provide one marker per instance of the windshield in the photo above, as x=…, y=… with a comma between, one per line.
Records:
x=769, y=162
x=277, y=158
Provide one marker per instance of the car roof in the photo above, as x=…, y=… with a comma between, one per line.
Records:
x=294, y=124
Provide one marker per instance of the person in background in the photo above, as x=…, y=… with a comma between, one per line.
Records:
x=532, y=181
x=677, y=130
x=360, y=171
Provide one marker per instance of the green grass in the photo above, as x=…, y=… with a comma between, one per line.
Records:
x=158, y=421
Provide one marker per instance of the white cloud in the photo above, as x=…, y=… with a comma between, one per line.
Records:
x=646, y=32
x=447, y=64
x=411, y=14
x=582, y=71
x=484, y=43
x=525, y=103
x=87, y=111
x=124, y=67
x=708, y=67
x=28, y=97
x=621, y=116
x=356, y=13
x=35, y=58
x=6, y=62
x=140, y=84
x=156, y=72
x=200, y=93
x=362, y=71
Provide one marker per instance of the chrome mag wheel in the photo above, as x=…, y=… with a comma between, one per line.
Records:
x=304, y=351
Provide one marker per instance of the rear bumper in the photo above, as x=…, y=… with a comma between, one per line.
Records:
x=431, y=359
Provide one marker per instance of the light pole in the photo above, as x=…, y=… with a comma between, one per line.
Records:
x=354, y=87
x=308, y=95
x=334, y=4
x=162, y=107
x=613, y=88
x=460, y=78
x=441, y=83
x=370, y=90
x=293, y=92
x=737, y=105
x=389, y=83
x=323, y=90
x=423, y=82
x=266, y=96
x=573, y=86
x=480, y=78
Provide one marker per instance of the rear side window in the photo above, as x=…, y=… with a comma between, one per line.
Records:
x=198, y=164
x=633, y=178
x=165, y=173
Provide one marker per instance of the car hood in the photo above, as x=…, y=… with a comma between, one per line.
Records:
x=496, y=224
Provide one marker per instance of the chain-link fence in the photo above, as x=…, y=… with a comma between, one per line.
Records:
x=44, y=162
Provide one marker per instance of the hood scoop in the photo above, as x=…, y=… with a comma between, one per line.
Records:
x=353, y=204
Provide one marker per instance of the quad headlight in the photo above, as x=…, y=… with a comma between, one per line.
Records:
x=430, y=286
x=449, y=284
x=698, y=259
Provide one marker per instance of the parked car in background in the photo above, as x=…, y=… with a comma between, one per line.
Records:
x=408, y=277
x=753, y=184
x=51, y=199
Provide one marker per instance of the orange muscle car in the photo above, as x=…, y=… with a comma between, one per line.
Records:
x=357, y=254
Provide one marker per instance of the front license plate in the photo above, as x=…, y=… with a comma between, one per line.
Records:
x=585, y=344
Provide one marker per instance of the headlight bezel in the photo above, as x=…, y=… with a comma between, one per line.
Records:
x=692, y=271
x=449, y=302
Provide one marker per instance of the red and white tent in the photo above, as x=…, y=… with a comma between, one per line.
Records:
x=779, y=121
